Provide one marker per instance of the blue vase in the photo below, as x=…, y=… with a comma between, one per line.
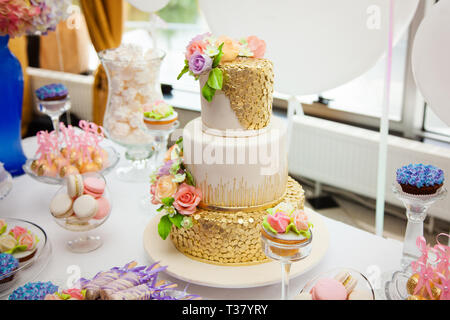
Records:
x=11, y=95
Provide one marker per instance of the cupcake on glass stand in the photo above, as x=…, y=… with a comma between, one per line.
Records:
x=160, y=120
x=286, y=237
x=418, y=187
x=53, y=100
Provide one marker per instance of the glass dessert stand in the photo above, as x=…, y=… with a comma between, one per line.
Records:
x=161, y=137
x=31, y=268
x=84, y=242
x=133, y=80
x=112, y=161
x=286, y=254
x=363, y=283
x=416, y=212
x=395, y=283
x=54, y=109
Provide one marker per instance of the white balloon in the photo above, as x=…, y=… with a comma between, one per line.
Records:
x=315, y=45
x=148, y=5
x=431, y=59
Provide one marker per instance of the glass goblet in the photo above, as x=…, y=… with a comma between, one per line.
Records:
x=286, y=254
x=54, y=109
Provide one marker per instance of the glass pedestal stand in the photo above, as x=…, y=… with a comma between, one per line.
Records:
x=416, y=212
x=138, y=165
x=54, y=109
x=160, y=147
x=286, y=254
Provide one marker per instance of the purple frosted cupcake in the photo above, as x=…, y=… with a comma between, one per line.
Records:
x=7, y=265
x=51, y=92
x=420, y=178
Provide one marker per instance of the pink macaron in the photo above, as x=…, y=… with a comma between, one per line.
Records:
x=94, y=186
x=103, y=208
x=328, y=289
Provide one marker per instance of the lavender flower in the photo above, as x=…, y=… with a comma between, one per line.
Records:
x=200, y=63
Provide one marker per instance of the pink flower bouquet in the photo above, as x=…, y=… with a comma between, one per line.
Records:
x=19, y=17
x=204, y=53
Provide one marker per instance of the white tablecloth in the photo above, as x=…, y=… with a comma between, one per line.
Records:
x=122, y=235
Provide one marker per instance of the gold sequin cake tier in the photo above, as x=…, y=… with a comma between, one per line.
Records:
x=245, y=101
x=230, y=238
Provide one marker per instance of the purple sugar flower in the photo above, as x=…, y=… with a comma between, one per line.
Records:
x=164, y=170
x=200, y=63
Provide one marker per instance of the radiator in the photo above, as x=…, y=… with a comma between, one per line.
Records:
x=79, y=86
x=346, y=157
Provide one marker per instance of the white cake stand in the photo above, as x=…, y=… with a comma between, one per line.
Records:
x=196, y=272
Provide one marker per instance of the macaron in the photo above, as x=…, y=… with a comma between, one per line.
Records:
x=94, y=186
x=85, y=207
x=61, y=206
x=360, y=295
x=347, y=280
x=103, y=208
x=75, y=185
x=328, y=289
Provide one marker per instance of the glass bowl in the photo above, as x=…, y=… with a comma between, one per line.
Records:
x=396, y=288
x=30, y=268
x=113, y=159
x=363, y=282
x=85, y=242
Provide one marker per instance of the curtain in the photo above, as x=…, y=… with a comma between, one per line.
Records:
x=104, y=19
x=18, y=47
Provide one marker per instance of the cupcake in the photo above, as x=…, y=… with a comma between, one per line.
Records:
x=8, y=264
x=420, y=179
x=33, y=291
x=285, y=225
x=159, y=116
x=52, y=92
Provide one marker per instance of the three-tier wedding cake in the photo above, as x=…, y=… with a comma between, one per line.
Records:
x=236, y=153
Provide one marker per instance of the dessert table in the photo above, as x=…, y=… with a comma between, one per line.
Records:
x=123, y=239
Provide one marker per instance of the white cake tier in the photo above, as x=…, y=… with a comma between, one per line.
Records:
x=237, y=172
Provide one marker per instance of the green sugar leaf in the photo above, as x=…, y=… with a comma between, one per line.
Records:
x=215, y=79
x=208, y=92
x=184, y=70
x=218, y=56
x=164, y=226
x=177, y=219
x=167, y=201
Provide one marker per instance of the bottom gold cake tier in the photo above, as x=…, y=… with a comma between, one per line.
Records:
x=230, y=238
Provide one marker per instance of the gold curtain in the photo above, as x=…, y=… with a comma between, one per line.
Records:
x=18, y=47
x=104, y=19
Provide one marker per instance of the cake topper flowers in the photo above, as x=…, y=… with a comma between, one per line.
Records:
x=284, y=218
x=173, y=187
x=19, y=17
x=205, y=52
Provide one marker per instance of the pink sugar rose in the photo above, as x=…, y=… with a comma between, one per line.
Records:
x=279, y=221
x=300, y=219
x=193, y=47
x=27, y=240
x=186, y=199
x=17, y=231
x=74, y=293
x=152, y=192
x=257, y=46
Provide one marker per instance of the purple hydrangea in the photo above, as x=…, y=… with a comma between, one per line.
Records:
x=420, y=175
x=200, y=63
x=164, y=170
